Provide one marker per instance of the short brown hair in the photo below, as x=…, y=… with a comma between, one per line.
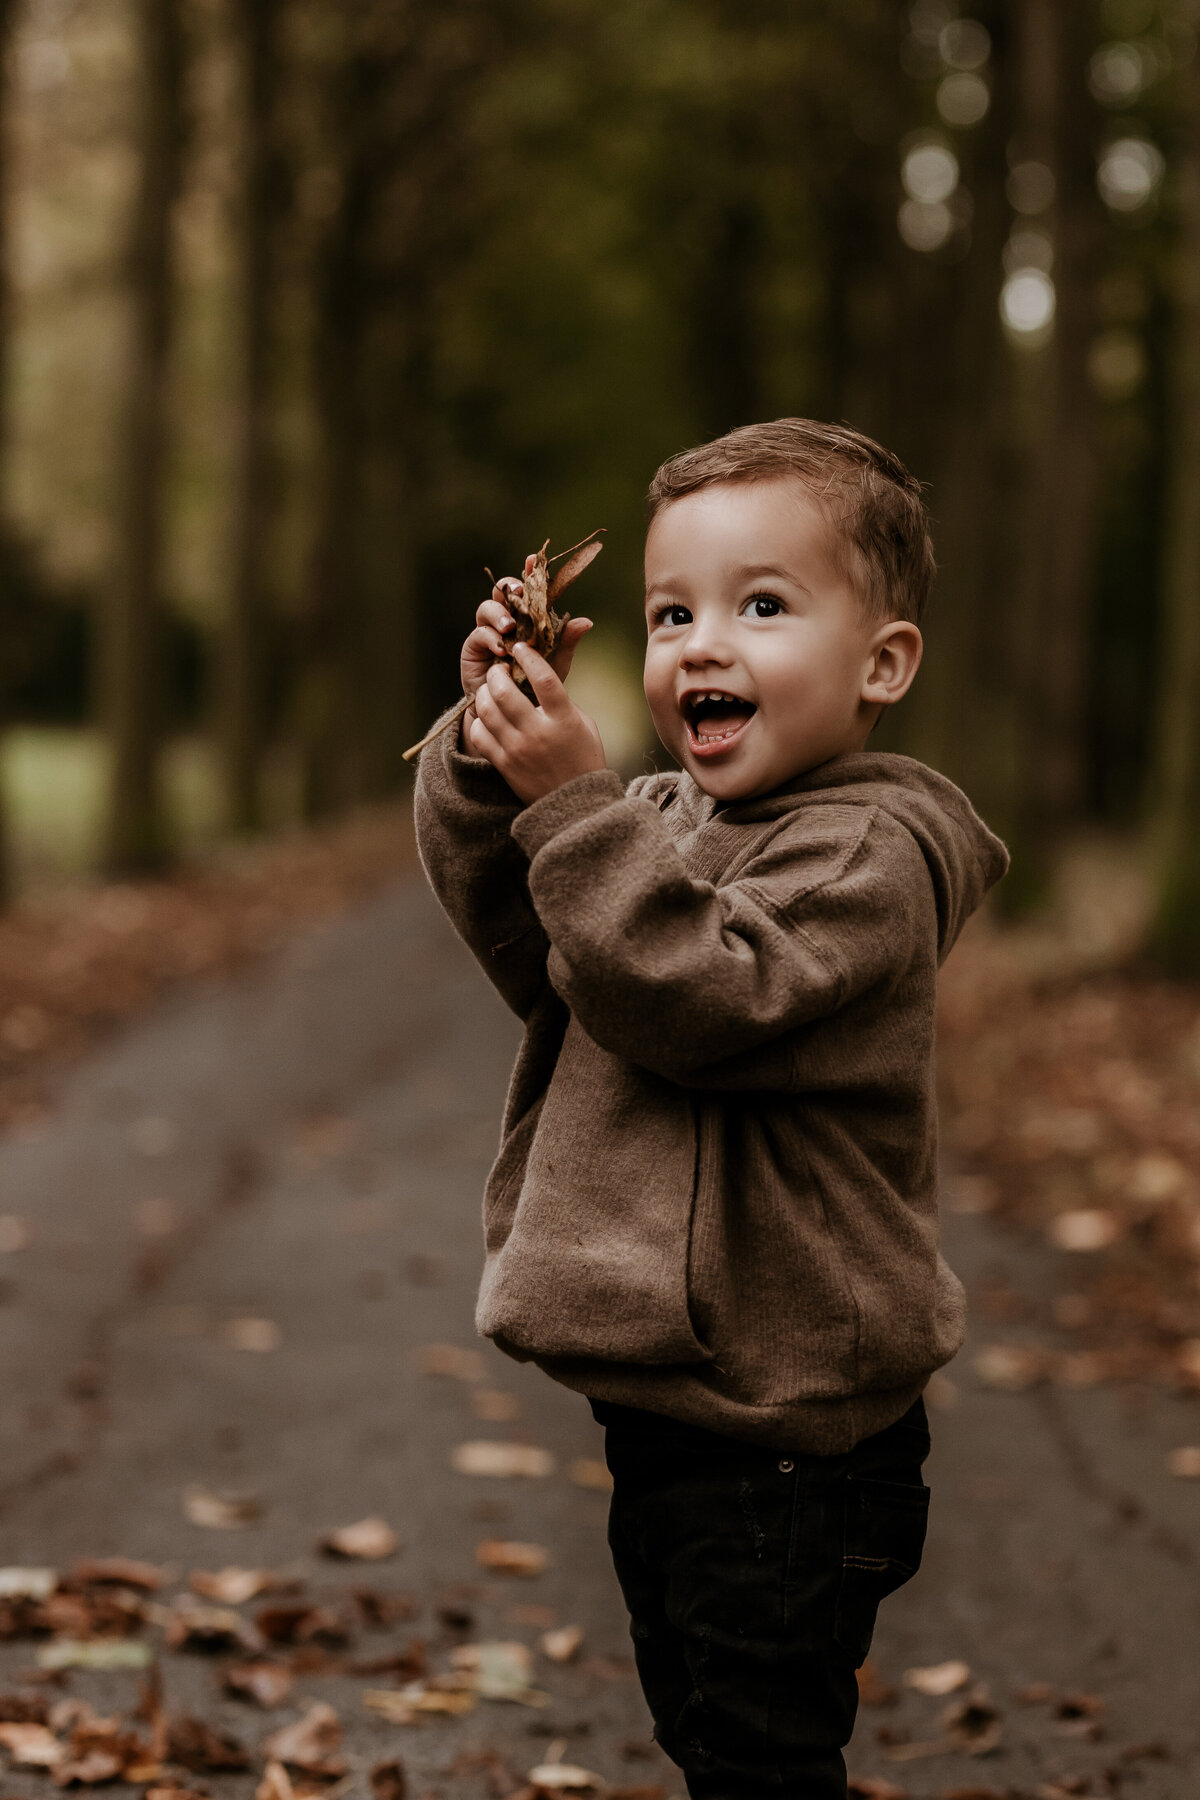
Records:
x=881, y=540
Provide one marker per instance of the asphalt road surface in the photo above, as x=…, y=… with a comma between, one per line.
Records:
x=304, y=1147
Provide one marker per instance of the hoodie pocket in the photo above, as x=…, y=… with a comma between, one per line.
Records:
x=594, y=1264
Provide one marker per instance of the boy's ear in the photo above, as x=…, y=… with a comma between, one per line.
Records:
x=895, y=659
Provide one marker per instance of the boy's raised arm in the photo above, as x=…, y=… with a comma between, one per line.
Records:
x=698, y=982
x=464, y=813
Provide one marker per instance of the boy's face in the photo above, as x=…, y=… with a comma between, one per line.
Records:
x=744, y=603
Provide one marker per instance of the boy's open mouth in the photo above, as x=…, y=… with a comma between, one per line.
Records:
x=714, y=718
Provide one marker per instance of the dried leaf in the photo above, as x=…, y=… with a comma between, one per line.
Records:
x=173, y=1791
x=276, y=1784
x=27, y=1584
x=120, y=1571
x=449, y=1360
x=89, y=1770
x=383, y=1610
x=499, y=1671
x=972, y=1724
x=302, y=1624
x=388, y=1781
x=494, y=1406
x=482, y=1457
x=23, y=1709
x=873, y=1690
x=407, y=1665
x=590, y=1472
x=94, y=1653
x=209, y=1629
x=871, y=1787
x=196, y=1746
x=1010, y=1367
x=939, y=1679
x=1085, y=1229
x=388, y=1704
x=562, y=1777
x=220, y=1511
x=234, y=1586
x=510, y=1559
x=259, y=1336
x=370, y=1540
x=31, y=1746
x=561, y=1645
x=309, y=1743
x=265, y=1683
x=1184, y=1462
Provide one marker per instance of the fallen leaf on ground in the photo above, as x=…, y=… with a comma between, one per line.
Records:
x=494, y=1406
x=973, y=1725
x=387, y=1704
x=173, y=1791
x=302, y=1624
x=873, y=1787
x=939, y=1679
x=91, y=1769
x=510, y=1559
x=120, y=1571
x=402, y=1706
x=1185, y=1462
x=233, y=1586
x=259, y=1336
x=265, y=1683
x=407, y=1664
x=873, y=1690
x=27, y=1584
x=564, y=1778
x=196, y=1746
x=1010, y=1367
x=23, y=1709
x=499, y=1671
x=388, y=1781
x=370, y=1540
x=309, y=1743
x=383, y=1609
x=209, y=1629
x=276, y=1783
x=31, y=1746
x=1085, y=1229
x=94, y=1653
x=590, y=1472
x=220, y=1511
x=482, y=1457
x=1079, y=1715
x=562, y=1644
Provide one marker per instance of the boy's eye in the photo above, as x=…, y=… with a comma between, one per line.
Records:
x=763, y=606
x=675, y=615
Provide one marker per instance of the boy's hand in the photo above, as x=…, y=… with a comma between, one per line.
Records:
x=535, y=748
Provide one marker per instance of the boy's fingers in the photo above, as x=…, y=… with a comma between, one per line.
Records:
x=506, y=696
x=494, y=613
x=542, y=679
x=573, y=635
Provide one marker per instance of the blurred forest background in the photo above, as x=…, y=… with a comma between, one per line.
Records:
x=311, y=308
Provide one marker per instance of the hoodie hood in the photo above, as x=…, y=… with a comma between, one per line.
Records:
x=963, y=857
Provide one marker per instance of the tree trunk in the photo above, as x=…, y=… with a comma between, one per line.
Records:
x=133, y=673
x=1176, y=933
x=7, y=14
x=243, y=697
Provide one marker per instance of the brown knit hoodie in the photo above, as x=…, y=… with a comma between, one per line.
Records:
x=716, y=1193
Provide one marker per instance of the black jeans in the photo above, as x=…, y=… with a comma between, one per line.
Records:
x=752, y=1580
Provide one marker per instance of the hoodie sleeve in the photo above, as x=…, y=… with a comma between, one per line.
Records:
x=693, y=981
x=464, y=812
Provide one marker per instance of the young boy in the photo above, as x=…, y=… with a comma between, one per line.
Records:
x=714, y=1211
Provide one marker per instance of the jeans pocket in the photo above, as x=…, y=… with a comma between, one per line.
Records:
x=883, y=1537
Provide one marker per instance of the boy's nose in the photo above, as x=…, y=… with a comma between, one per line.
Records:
x=704, y=645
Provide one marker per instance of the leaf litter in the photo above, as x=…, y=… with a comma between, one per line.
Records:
x=483, y=1457
x=370, y=1540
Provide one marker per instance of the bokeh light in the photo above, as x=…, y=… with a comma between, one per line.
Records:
x=1129, y=173
x=1117, y=74
x=925, y=225
x=1028, y=248
x=963, y=99
x=1117, y=364
x=965, y=44
x=929, y=171
x=1027, y=302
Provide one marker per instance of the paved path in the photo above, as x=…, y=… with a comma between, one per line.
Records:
x=306, y=1145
